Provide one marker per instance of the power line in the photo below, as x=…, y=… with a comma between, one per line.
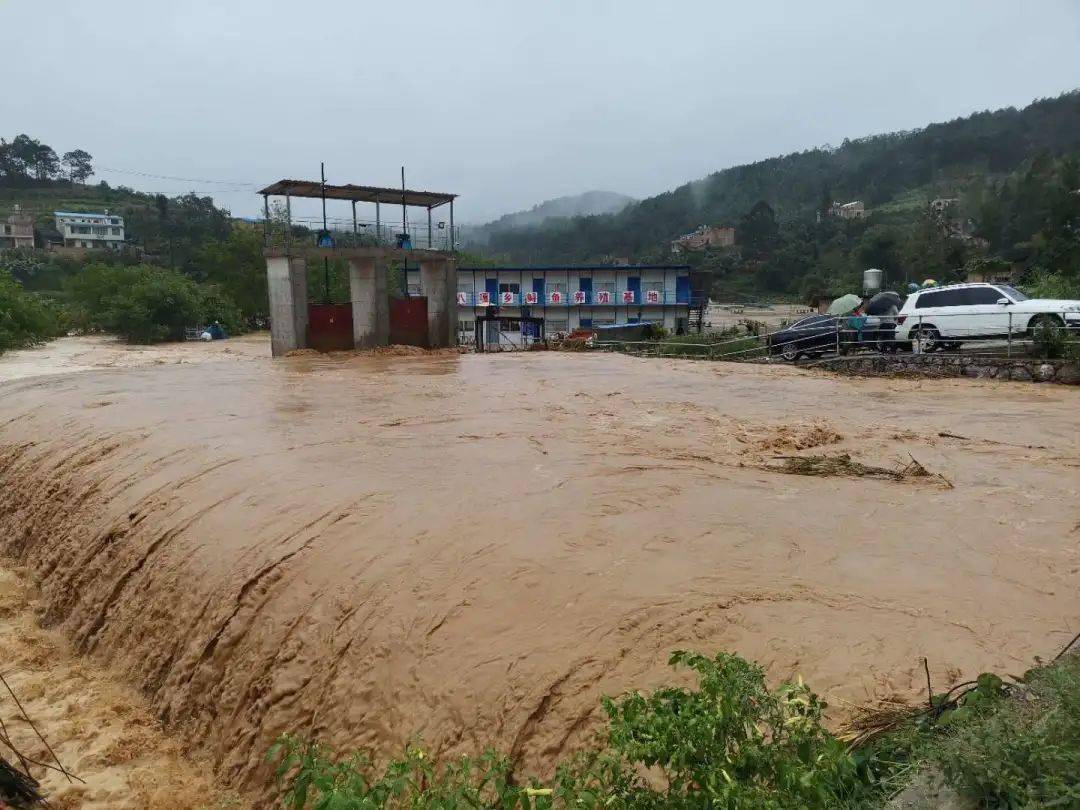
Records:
x=170, y=177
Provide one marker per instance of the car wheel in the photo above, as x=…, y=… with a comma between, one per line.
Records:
x=925, y=339
x=1049, y=321
x=790, y=353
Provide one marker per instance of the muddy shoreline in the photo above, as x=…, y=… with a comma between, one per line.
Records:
x=470, y=550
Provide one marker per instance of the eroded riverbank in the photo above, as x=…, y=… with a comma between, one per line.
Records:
x=471, y=550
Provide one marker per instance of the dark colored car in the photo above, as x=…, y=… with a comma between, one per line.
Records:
x=811, y=336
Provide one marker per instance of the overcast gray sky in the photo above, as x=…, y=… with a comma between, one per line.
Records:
x=507, y=103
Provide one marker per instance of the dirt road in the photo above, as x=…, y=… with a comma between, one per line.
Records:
x=470, y=550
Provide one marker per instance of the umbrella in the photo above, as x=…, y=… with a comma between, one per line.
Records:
x=844, y=304
x=884, y=303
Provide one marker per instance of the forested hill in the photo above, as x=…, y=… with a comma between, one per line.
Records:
x=587, y=204
x=882, y=170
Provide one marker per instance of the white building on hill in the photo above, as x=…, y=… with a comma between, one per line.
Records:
x=90, y=231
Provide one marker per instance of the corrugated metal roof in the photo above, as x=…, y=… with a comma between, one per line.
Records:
x=315, y=189
x=573, y=267
x=85, y=214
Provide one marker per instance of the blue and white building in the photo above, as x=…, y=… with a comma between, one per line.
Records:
x=569, y=298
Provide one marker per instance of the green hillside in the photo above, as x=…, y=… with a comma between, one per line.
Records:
x=895, y=175
x=42, y=201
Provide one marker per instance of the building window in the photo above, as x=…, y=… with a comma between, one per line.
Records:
x=557, y=286
x=510, y=287
x=652, y=286
x=414, y=289
x=552, y=326
x=605, y=286
x=115, y=231
x=602, y=320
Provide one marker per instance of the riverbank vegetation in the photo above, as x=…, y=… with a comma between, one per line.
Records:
x=731, y=742
x=26, y=318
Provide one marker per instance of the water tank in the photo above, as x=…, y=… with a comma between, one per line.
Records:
x=872, y=280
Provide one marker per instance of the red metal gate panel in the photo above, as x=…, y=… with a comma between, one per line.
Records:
x=408, y=321
x=329, y=327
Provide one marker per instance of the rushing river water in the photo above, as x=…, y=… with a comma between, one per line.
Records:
x=470, y=550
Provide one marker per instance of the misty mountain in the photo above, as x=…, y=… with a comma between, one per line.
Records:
x=576, y=205
x=887, y=171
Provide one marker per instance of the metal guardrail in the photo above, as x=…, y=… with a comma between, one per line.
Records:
x=341, y=234
x=1043, y=335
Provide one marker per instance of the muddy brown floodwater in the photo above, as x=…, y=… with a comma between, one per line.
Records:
x=470, y=550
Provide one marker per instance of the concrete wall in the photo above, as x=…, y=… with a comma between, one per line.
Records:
x=287, y=284
x=442, y=307
x=1019, y=369
x=370, y=308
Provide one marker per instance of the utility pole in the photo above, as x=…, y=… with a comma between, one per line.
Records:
x=325, y=261
x=404, y=230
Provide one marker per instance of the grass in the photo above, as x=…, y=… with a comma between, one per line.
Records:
x=42, y=201
x=1020, y=747
x=722, y=345
x=731, y=742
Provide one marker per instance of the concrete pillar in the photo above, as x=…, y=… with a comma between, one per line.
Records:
x=451, y=299
x=287, y=284
x=298, y=278
x=441, y=301
x=370, y=307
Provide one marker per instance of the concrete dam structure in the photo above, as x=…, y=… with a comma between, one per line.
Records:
x=371, y=317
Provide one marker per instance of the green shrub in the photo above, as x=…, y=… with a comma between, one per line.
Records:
x=729, y=743
x=25, y=318
x=145, y=304
x=1049, y=340
x=1017, y=750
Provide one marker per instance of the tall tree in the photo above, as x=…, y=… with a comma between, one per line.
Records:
x=77, y=163
x=758, y=231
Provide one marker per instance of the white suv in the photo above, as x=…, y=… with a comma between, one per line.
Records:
x=947, y=316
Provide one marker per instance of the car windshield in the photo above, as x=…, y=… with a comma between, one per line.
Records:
x=1012, y=292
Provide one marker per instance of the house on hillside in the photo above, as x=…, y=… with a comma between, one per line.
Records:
x=953, y=224
x=17, y=231
x=849, y=210
x=717, y=236
x=90, y=231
